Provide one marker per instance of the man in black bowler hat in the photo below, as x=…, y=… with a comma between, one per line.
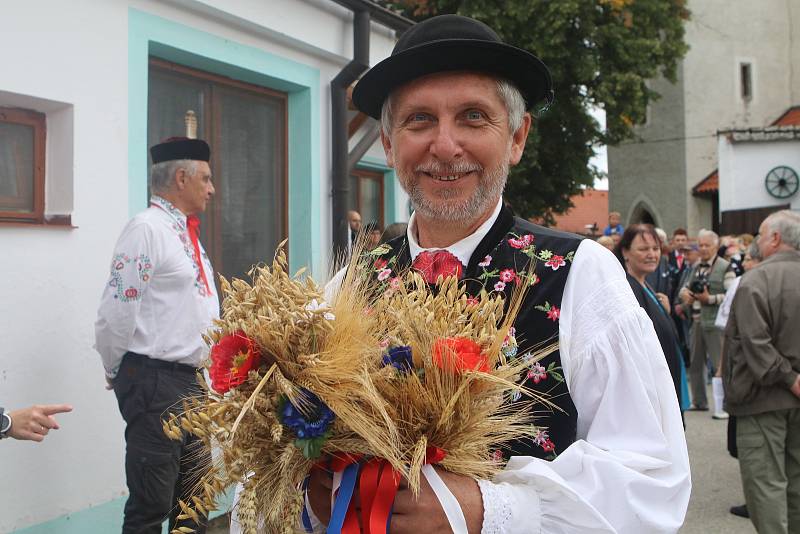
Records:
x=159, y=299
x=611, y=456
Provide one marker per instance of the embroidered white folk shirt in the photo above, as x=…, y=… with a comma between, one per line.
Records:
x=628, y=470
x=155, y=301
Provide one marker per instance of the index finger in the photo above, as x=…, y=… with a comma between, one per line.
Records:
x=50, y=409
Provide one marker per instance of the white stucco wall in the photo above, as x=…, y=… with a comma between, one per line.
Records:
x=72, y=58
x=743, y=167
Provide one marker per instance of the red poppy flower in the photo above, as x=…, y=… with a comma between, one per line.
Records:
x=380, y=264
x=459, y=354
x=548, y=446
x=231, y=359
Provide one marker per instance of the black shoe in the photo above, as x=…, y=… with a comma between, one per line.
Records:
x=694, y=408
x=740, y=511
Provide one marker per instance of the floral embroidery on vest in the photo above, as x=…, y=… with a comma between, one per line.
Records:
x=526, y=244
x=500, y=269
x=553, y=312
x=383, y=267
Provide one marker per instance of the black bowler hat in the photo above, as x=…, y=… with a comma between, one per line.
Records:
x=449, y=43
x=180, y=148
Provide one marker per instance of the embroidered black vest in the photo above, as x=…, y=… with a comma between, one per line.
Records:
x=500, y=261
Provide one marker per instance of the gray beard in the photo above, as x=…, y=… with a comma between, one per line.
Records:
x=490, y=187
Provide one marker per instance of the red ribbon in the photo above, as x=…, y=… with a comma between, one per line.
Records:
x=192, y=224
x=434, y=455
x=339, y=461
x=381, y=489
x=377, y=486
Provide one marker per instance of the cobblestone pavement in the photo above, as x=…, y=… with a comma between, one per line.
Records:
x=716, y=485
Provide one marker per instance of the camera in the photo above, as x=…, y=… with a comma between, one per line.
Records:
x=699, y=284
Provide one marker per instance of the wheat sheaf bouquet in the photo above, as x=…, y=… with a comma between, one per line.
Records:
x=377, y=384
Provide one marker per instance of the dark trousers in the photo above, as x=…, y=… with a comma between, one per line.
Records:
x=158, y=470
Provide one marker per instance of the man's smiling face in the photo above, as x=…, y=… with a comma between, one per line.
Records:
x=450, y=144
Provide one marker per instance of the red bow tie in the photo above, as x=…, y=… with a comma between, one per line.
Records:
x=432, y=264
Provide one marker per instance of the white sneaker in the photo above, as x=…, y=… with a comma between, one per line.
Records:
x=720, y=415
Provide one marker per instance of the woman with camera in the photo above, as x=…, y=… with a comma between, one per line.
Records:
x=639, y=251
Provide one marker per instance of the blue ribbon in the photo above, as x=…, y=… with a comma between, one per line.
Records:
x=306, y=518
x=343, y=498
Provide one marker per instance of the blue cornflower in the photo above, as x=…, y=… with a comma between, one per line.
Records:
x=399, y=358
x=312, y=424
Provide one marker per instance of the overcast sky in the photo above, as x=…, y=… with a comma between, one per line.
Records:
x=600, y=159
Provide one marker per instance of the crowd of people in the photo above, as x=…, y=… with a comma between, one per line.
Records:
x=693, y=281
x=741, y=341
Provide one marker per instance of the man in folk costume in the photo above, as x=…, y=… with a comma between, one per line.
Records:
x=612, y=457
x=159, y=300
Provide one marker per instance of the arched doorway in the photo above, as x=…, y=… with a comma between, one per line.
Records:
x=642, y=214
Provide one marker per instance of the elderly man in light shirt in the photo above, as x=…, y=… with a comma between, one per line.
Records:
x=452, y=100
x=159, y=299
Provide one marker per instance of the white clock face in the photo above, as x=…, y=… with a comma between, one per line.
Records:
x=782, y=182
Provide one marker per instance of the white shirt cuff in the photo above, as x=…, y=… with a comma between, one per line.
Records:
x=501, y=501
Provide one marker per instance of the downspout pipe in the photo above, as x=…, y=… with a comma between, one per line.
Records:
x=339, y=140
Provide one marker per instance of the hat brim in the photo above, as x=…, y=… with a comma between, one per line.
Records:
x=524, y=69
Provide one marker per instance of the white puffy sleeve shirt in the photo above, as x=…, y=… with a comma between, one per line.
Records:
x=628, y=471
x=155, y=302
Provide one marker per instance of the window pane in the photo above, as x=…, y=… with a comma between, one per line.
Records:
x=370, y=201
x=747, y=81
x=250, y=144
x=16, y=167
x=169, y=98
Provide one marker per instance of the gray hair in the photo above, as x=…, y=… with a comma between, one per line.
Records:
x=787, y=224
x=754, y=252
x=162, y=174
x=662, y=235
x=507, y=91
x=708, y=233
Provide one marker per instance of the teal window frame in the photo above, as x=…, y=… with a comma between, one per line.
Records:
x=389, y=185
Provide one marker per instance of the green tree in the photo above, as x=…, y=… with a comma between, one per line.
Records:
x=600, y=53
